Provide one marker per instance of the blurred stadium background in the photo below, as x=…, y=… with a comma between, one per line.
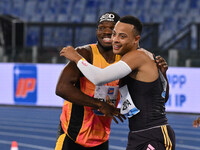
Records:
x=32, y=32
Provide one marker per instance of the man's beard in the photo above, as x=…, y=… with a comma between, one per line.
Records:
x=105, y=47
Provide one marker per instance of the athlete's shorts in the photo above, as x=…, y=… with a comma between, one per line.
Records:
x=65, y=143
x=156, y=138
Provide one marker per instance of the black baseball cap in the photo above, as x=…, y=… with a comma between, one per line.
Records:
x=108, y=16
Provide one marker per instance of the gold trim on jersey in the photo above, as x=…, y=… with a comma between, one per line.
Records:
x=167, y=141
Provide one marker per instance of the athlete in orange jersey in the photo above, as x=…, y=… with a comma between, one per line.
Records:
x=81, y=127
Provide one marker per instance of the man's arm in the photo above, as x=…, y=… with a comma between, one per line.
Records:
x=162, y=64
x=113, y=72
x=67, y=90
x=66, y=85
x=167, y=90
x=94, y=74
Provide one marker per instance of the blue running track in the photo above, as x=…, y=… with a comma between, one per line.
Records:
x=35, y=129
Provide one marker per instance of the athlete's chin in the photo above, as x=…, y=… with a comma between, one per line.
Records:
x=117, y=51
x=105, y=45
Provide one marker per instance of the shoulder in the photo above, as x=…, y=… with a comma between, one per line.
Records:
x=145, y=53
x=140, y=55
x=85, y=51
x=136, y=55
x=137, y=58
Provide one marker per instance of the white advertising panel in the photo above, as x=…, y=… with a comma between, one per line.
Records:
x=34, y=84
x=29, y=84
x=184, y=90
x=6, y=83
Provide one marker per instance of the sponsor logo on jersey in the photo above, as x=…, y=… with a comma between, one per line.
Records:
x=111, y=91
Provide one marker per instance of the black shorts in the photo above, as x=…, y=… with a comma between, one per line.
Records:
x=157, y=138
x=65, y=143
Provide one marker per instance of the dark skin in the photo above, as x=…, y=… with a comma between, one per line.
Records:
x=162, y=65
x=196, y=123
x=66, y=89
x=70, y=75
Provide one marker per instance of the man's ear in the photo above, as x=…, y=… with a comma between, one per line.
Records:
x=137, y=39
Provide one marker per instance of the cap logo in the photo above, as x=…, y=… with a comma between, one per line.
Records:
x=107, y=17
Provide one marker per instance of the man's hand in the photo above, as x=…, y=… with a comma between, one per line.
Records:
x=119, y=116
x=196, y=123
x=70, y=53
x=162, y=64
x=112, y=112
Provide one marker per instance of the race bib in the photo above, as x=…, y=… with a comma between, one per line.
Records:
x=102, y=91
x=127, y=106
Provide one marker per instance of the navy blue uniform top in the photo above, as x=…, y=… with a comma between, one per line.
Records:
x=147, y=98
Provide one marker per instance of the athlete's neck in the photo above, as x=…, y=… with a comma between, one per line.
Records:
x=107, y=53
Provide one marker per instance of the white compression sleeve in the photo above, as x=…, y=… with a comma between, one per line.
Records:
x=101, y=76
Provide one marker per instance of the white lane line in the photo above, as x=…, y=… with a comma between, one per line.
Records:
x=28, y=129
x=40, y=116
x=112, y=147
x=119, y=132
x=187, y=138
x=184, y=127
x=187, y=146
x=122, y=127
x=27, y=145
x=29, y=124
x=186, y=122
x=187, y=132
x=31, y=120
x=123, y=139
x=28, y=136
